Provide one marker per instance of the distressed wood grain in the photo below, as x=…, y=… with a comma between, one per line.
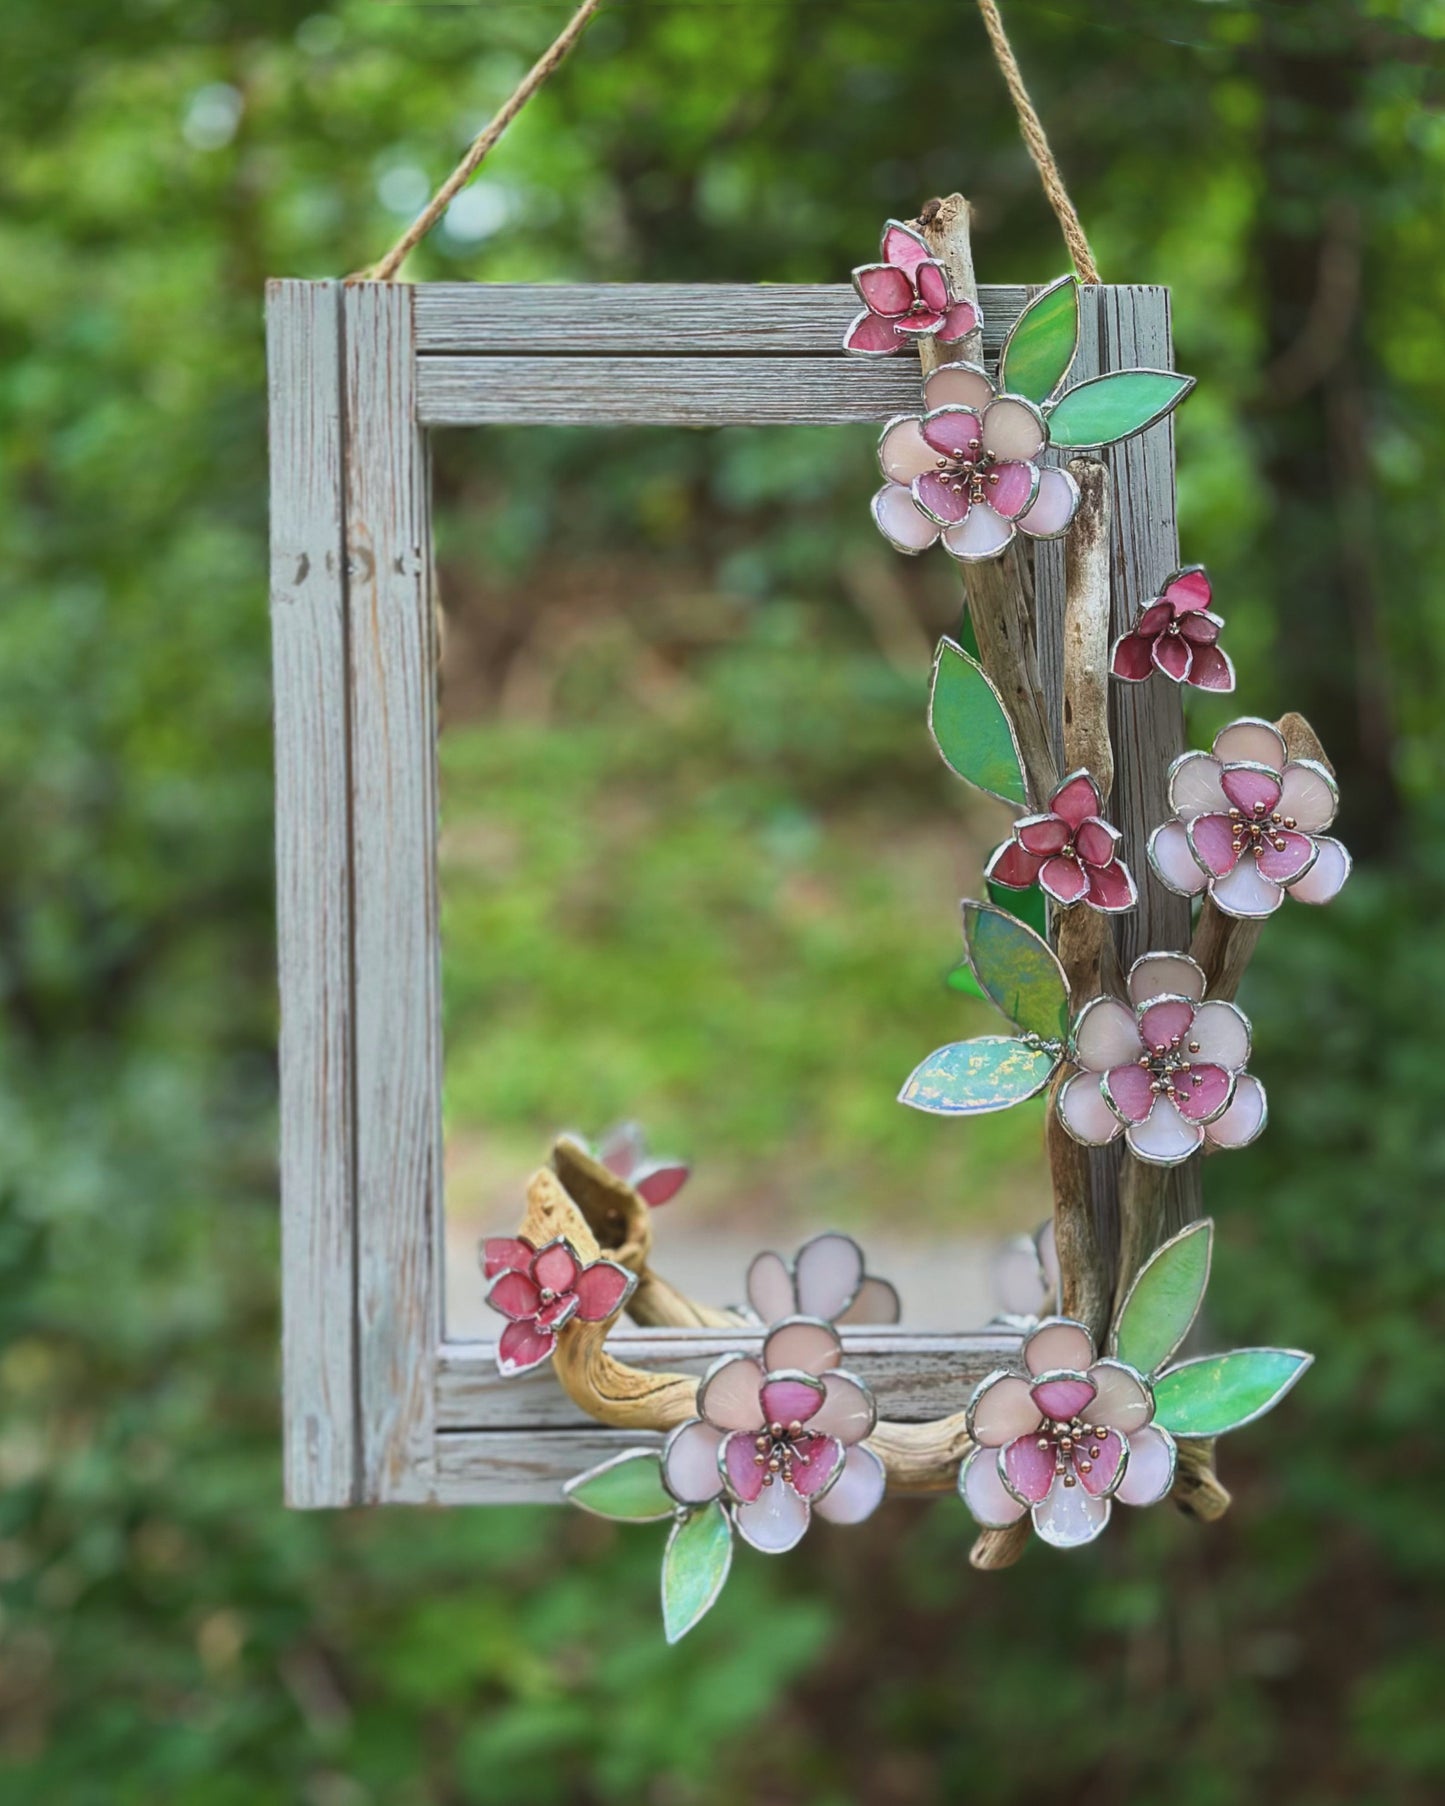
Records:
x=519, y=1467
x=313, y=901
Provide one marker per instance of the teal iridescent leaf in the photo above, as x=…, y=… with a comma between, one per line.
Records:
x=1222, y=1392
x=694, y=1566
x=1109, y=408
x=1164, y=1299
x=628, y=1487
x=1018, y=970
x=971, y=727
x=971, y=1078
x=1040, y=346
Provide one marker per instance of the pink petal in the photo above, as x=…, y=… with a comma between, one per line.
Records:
x=1122, y=1401
x=932, y=284
x=885, y=290
x=1164, y=1138
x=1249, y=788
x=1131, y=1090
x=1103, y=1467
x=730, y=1396
x=903, y=452
x=983, y=534
x=1011, y=488
x=1042, y=834
x=1065, y=880
x=775, y=1521
x=506, y=1254
x=1106, y=1034
x=1001, y=1409
x=1058, y=1342
x=1211, y=669
x=877, y=1302
x=903, y=246
x=1084, y=1113
x=984, y=1492
x=556, y=1268
x=804, y=1345
x=858, y=1490
x=900, y=521
x=662, y=1184
x=1326, y=877
x=816, y=1464
x=561, y=1310
x=740, y=1462
x=847, y=1413
x=1163, y=1022
x=872, y=335
x=941, y=497
x=1246, y=892
x=958, y=385
x=1065, y=1397
x=1133, y=658
x=690, y=1469
x=952, y=431
x=792, y=1400
x=522, y=1346
x=1054, y=506
x=1097, y=842
x=1112, y=888
x=1028, y=1469
x=1189, y=590
x=1200, y=629
x=1172, y=656
x=1070, y=1517
x=1202, y=1092
x=1212, y=838
x=1076, y=799
x=1307, y=792
x=1252, y=742
x=1245, y=1117
x=1150, y=1472
x=1012, y=866
x=515, y=1296
x=829, y=1271
x=622, y=1149
x=770, y=1287
x=600, y=1290
x=958, y=322
x=1157, y=974
x=1155, y=618
x=1285, y=863
x=920, y=325
x=1013, y=429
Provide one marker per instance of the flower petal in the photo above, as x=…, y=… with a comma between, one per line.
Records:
x=958, y=322
x=1251, y=788
x=877, y=1302
x=1055, y=505
x=515, y=1295
x=659, y=1185
x=903, y=452
x=1058, y=1342
x=556, y=1266
x=1013, y=866
x=952, y=432
x=1188, y=590
x=1154, y=619
x=770, y=1287
x=1246, y=891
x=1171, y=655
x=1165, y=1020
x=791, y=1397
x=1112, y=888
x=932, y=284
x=1084, y=1113
x=900, y=522
x=1155, y=974
x=601, y=1289
x=1163, y=1138
x=552, y=1316
x=1042, y=834
x=775, y=1521
x=985, y=1495
x=1129, y=1092
x=1106, y=1034
x=858, y=1491
x=884, y=289
x=1150, y=1472
x=1063, y=1395
x=1211, y=840
x=1194, y=786
x=1070, y=1517
x=1122, y=1399
x=1012, y=487
x=506, y=1254
x=923, y=324
x=943, y=498
x=1065, y=880
x=1103, y=1470
x=1211, y=669
x=1076, y=799
x=983, y=534
x=1220, y=1033
x=1309, y=794
x=958, y=385
x=1245, y=1117
x=690, y=1463
x=1097, y=841
x=1027, y=1471
x=1133, y=658
x=1000, y=1409
x=903, y=246
x=1014, y=428
x=1203, y=1092
x=1201, y=629
x=803, y=1344
x=819, y=1461
x=730, y=1396
x=738, y=1463
x=1249, y=739
x=848, y=1412
x=828, y=1273
x=1287, y=863
x=870, y=335
x=522, y=1346
x=1326, y=877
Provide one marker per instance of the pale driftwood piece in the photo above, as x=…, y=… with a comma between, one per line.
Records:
x=394, y=821
x=313, y=901
x=694, y=318
x=946, y=225
x=1197, y=1490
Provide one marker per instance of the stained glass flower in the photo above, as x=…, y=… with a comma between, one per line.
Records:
x=623, y=1151
x=827, y=1279
x=905, y=297
x=1165, y=1070
x=1248, y=824
x=967, y=471
x=1069, y=851
x=540, y=1289
x=1062, y=1437
x=778, y=1438
x=1177, y=634
x=1024, y=1274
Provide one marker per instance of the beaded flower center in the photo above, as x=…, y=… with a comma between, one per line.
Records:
x=776, y=1450
x=971, y=470
x=1170, y=1068
x=1251, y=833
x=1075, y=1446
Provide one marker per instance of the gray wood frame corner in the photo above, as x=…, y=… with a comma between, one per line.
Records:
x=379, y=1407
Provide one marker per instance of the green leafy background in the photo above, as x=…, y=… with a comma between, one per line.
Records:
x=687, y=650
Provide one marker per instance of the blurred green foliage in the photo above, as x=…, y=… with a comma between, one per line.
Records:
x=169, y=1634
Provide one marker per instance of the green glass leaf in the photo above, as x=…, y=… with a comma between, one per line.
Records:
x=971, y=727
x=1018, y=970
x=961, y=978
x=629, y=1487
x=694, y=1566
x=1222, y=1392
x=1164, y=1299
x=1027, y=906
x=1041, y=344
x=970, y=1078
x=967, y=633
x=1109, y=408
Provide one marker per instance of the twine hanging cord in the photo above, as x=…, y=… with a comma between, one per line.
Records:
x=556, y=54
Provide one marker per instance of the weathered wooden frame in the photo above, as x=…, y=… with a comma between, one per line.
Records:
x=379, y=1406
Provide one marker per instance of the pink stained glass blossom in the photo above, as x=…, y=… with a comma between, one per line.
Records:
x=779, y=1438
x=541, y=1289
x=1247, y=825
x=1177, y=634
x=906, y=297
x=967, y=472
x=623, y=1151
x=828, y=1279
x=1061, y=1438
x=1070, y=851
x=1166, y=1070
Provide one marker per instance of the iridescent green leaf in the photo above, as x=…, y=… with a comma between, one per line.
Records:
x=694, y=1566
x=1109, y=408
x=629, y=1487
x=971, y=727
x=1164, y=1299
x=1221, y=1392
x=970, y=1078
x=1026, y=905
x=1041, y=344
x=1018, y=970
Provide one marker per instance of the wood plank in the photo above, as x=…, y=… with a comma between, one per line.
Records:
x=914, y=1376
x=743, y=319
x=516, y=1467
x=394, y=838
x=313, y=904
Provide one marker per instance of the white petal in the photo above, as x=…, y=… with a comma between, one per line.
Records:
x=980, y=534
x=1013, y=429
x=1106, y=1035
x=1246, y=892
x=1245, y=1117
x=1326, y=877
x=1150, y=1472
x=1194, y=787
x=900, y=523
x=1084, y=1113
x=1164, y=1138
x=1058, y=1344
x=1159, y=974
x=1053, y=507
x=1251, y=740
x=775, y=1521
x=1069, y=1516
x=1173, y=862
x=1308, y=793
x=1016, y=1276
x=770, y=1287
x=847, y=1412
x=1222, y=1031
x=857, y=1492
x=803, y=1345
x=984, y=1493
x=1002, y=1408
x=828, y=1272
x=689, y=1463
x=1122, y=1401
x=903, y=452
